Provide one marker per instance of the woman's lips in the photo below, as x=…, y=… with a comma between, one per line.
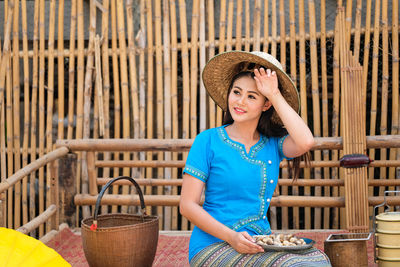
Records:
x=239, y=110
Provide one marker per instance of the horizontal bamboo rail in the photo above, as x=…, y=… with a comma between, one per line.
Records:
x=281, y=182
x=378, y=141
x=40, y=162
x=181, y=163
x=279, y=201
x=39, y=220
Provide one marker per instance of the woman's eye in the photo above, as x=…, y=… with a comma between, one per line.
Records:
x=252, y=97
x=236, y=92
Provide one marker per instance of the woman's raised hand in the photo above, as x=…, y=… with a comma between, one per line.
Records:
x=267, y=82
x=242, y=242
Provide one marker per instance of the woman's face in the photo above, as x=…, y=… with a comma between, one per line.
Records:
x=245, y=102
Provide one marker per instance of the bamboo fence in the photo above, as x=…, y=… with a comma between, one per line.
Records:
x=132, y=70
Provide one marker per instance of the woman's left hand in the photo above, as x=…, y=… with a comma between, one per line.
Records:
x=267, y=82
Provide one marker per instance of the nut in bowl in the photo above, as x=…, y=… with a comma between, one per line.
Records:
x=283, y=242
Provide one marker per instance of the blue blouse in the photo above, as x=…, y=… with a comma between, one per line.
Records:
x=238, y=185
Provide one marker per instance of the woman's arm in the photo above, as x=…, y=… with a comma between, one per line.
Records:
x=300, y=139
x=190, y=208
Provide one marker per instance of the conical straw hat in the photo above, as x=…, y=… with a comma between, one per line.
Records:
x=219, y=71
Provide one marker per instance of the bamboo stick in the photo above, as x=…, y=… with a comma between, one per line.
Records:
x=16, y=113
x=395, y=80
x=185, y=74
x=116, y=85
x=35, y=61
x=348, y=19
x=256, y=25
x=367, y=36
x=124, y=85
x=303, y=96
x=315, y=101
x=247, y=26
x=229, y=28
x=274, y=29
x=41, y=107
x=384, y=84
x=211, y=53
x=357, y=35
x=50, y=99
x=325, y=124
x=164, y=220
x=39, y=220
x=239, y=18
x=222, y=26
x=106, y=82
x=60, y=72
x=174, y=100
x=169, y=216
x=374, y=85
x=3, y=163
x=266, y=25
x=150, y=78
x=194, y=67
x=71, y=71
x=202, y=56
x=99, y=86
x=4, y=86
x=25, y=145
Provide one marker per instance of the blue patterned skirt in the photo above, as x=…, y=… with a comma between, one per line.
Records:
x=222, y=254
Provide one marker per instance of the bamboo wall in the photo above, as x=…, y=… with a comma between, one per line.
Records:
x=136, y=74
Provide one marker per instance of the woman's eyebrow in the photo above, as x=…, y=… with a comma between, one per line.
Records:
x=251, y=92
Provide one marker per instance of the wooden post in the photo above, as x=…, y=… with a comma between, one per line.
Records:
x=67, y=188
x=3, y=209
x=54, y=194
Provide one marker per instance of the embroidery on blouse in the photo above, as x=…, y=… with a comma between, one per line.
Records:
x=195, y=172
x=280, y=146
x=263, y=188
x=259, y=230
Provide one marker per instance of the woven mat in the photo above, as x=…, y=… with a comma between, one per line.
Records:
x=172, y=250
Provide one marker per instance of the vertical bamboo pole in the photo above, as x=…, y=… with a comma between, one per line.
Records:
x=274, y=30
x=16, y=114
x=88, y=157
x=98, y=100
x=221, y=47
x=5, y=61
x=374, y=85
x=349, y=10
x=35, y=62
x=303, y=97
x=117, y=98
x=325, y=123
x=293, y=76
x=230, y=26
x=282, y=33
x=384, y=89
x=282, y=50
x=186, y=86
x=105, y=58
x=266, y=25
x=395, y=80
x=367, y=37
x=133, y=81
x=150, y=89
x=169, y=218
x=3, y=163
x=50, y=100
x=315, y=100
x=71, y=71
x=239, y=18
x=41, y=106
x=194, y=68
x=141, y=38
x=211, y=53
x=357, y=34
x=26, y=111
x=60, y=72
x=124, y=86
x=160, y=106
x=256, y=25
x=174, y=100
x=247, y=26
x=202, y=48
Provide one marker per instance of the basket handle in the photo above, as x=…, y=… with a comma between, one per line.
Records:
x=103, y=190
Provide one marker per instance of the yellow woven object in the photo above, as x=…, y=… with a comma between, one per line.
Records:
x=18, y=249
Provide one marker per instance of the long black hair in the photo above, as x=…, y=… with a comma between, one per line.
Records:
x=268, y=128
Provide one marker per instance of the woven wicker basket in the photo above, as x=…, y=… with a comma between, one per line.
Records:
x=120, y=239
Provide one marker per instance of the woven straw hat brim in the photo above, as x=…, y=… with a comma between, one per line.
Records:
x=219, y=71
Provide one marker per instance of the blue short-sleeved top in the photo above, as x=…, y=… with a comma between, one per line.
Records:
x=238, y=185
